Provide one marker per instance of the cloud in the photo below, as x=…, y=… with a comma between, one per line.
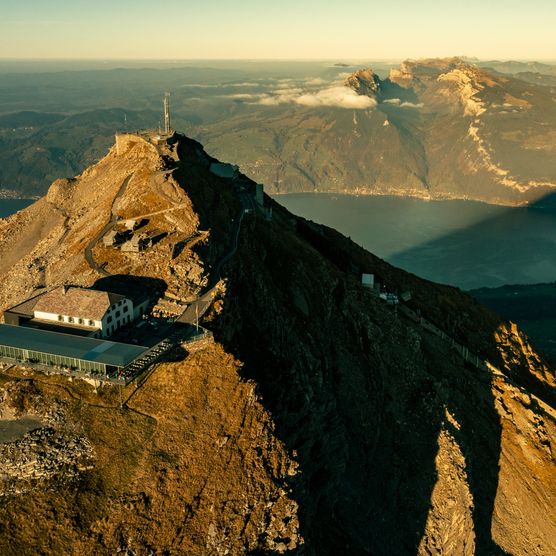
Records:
x=337, y=96
x=314, y=81
x=285, y=91
x=398, y=102
x=342, y=97
x=244, y=96
x=220, y=85
x=284, y=86
x=244, y=84
x=268, y=100
x=199, y=85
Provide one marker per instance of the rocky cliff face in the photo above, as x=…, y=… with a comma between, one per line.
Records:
x=320, y=421
x=364, y=82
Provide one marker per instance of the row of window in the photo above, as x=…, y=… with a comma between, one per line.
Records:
x=84, y=322
x=52, y=360
x=119, y=304
x=116, y=325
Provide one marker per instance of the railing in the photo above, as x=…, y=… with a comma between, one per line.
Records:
x=467, y=355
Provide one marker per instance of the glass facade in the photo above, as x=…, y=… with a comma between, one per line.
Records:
x=52, y=360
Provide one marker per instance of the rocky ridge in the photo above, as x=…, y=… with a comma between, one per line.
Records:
x=364, y=82
x=319, y=421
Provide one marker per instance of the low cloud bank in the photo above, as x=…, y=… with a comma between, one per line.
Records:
x=311, y=92
x=337, y=96
x=398, y=102
x=310, y=81
x=220, y=85
x=342, y=97
x=243, y=96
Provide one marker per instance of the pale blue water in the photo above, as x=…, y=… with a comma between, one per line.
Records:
x=9, y=206
x=463, y=243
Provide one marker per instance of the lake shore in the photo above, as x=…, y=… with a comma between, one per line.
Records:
x=469, y=244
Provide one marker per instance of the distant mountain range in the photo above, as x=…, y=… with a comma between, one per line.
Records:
x=438, y=128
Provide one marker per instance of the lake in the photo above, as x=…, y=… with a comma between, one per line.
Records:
x=9, y=206
x=463, y=243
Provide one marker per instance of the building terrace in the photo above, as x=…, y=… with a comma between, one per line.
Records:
x=100, y=358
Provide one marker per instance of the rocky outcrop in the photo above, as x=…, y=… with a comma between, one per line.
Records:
x=364, y=82
x=52, y=451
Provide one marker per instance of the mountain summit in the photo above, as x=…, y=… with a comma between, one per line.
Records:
x=320, y=416
x=364, y=82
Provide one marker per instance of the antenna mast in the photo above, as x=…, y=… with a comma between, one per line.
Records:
x=167, y=127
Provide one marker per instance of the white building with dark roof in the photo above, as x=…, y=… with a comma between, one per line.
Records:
x=100, y=312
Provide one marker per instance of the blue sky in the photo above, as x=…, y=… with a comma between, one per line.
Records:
x=286, y=29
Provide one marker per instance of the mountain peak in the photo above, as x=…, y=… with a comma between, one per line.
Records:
x=364, y=82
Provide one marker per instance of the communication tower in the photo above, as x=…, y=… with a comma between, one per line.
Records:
x=167, y=126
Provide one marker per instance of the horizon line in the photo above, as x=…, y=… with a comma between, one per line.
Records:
x=269, y=59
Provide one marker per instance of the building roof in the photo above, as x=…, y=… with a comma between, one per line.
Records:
x=68, y=345
x=77, y=302
x=26, y=307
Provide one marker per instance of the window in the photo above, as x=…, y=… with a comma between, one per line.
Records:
x=91, y=323
x=80, y=321
x=118, y=313
x=109, y=319
x=60, y=317
x=125, y=309
x=70, y=319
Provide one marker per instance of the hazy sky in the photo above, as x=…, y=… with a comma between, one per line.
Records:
x=331, y=29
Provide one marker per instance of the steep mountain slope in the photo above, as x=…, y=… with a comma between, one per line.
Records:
x=320, y=421
x=439, y=128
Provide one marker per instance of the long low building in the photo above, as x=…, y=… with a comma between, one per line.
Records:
x=66, y=351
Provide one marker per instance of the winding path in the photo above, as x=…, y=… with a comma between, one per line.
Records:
x=199, y=306
x=113, y=219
